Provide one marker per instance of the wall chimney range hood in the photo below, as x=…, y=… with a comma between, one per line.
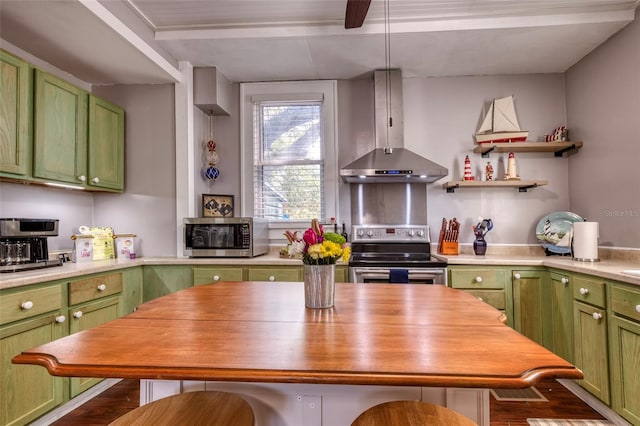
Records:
x=390, y=162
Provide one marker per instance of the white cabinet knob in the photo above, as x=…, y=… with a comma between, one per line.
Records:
x=637, y=308
x=95, y=179
x=597, y=315
x=60, y=319
x=564, y=280
x=26, y=305
x=77, y=314
x=584, y=291
x=481, y=299
x=82, y=178
x=516, y=276
x=216, y=277
x=478, y=279
x=102, y=287
x=272, y=278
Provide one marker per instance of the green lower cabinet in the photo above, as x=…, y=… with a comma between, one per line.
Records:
x=561, y=316
x=590, y=346
x=624, y=350
x=84, y=317
x=29, y=391
x=487, y=283
x=531, y=310
x=160, y=280
x=342, y=274
x=275, y=273
x=625, y=368
x=214, y=274
x=132, y=286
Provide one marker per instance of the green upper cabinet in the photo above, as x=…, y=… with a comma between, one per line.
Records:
x=15, y=110
x=60, y=130
x=106, y=145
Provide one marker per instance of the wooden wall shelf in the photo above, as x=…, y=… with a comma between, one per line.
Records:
x=522, y=185
x=558, y=148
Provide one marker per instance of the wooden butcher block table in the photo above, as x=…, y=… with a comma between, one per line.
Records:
x=376, y=334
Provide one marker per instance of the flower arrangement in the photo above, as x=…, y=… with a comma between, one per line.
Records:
x=318, y=247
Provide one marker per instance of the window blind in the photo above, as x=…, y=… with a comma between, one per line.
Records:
x=288, y=169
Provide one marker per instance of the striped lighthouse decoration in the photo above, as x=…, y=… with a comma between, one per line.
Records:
x=467, y=169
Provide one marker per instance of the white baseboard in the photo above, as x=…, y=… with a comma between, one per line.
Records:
x=76, y=402
x=593, y=402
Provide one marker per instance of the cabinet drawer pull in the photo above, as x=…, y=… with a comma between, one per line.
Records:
x=272, y=278
x=481, y=299
x=95, y=179
x=478, y=279
x=564, y=280
x=82, y=178
x=102, y=287
x=637, y=308
x=584, y=291
x=77, y=314
x=597, y=315
x=60, y=319
x=517, y=276
x=216, y=277
x=25, y=306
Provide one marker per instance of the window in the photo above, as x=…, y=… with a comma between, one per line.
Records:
x=289, y=162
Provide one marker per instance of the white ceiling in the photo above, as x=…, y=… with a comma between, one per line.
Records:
x=141, y=41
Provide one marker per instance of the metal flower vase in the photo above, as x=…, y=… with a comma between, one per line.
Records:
x=319, y=285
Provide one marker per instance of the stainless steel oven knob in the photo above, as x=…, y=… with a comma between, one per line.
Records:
x=370, y=233
x=360, y=233
x=411, y=232
x=420, y=233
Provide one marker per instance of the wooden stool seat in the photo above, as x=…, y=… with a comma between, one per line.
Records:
x=410, y=413
x=192, y=408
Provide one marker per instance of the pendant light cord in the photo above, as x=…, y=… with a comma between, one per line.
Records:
x=387, y=59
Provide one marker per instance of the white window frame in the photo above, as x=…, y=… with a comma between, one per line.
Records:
x=289, y=90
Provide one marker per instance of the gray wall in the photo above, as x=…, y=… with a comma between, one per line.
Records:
x=441, y=115
x=148, y=205
x=603, y=104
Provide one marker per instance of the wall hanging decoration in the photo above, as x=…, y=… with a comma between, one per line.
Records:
x=211, y=172
x=217, y=205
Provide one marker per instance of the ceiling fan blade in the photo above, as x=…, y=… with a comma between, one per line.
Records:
x=356, y=12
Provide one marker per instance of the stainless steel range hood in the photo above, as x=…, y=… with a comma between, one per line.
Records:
x=390, y=162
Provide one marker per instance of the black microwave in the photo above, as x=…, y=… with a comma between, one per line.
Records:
x=225, y=237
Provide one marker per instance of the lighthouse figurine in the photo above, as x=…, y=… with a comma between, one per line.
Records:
x=511, y=173
x=467, y=169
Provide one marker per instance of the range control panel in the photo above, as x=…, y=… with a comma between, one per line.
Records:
x=390, y=233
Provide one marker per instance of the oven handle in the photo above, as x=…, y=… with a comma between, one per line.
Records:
x=383, y=273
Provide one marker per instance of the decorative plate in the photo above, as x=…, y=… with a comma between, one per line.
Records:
x=553, y=227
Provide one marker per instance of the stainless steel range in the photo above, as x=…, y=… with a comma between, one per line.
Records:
x=394, y=253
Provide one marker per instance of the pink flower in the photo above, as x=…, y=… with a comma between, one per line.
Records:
x=310, y=237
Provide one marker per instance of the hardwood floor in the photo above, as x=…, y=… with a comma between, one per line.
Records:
x=125, y=396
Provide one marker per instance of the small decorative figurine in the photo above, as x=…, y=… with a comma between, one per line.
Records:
x=467, y=169
x=511, y=173
x=488, y=170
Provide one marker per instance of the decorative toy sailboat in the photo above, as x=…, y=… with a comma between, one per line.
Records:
x=500, y=124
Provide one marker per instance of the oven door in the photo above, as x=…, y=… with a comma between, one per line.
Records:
x=372, y=274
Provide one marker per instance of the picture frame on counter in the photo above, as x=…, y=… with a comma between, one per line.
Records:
x=217, y=205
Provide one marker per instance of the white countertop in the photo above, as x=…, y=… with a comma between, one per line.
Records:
x=610, y=269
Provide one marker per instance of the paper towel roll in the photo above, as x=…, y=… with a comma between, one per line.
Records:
x=585, y=241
